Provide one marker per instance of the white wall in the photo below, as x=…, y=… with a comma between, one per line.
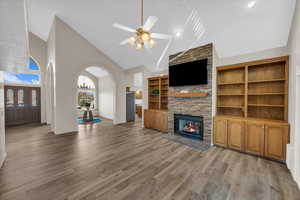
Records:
x=293, y=151
x=269, y=53
x=50, y=74
x=14, y=51
x=106, y=97
x=73, y=54
x=2, y=120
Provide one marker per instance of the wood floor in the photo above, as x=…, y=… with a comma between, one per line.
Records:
x=109, y=162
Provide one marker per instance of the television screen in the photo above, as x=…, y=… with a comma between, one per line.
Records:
x=192, y=73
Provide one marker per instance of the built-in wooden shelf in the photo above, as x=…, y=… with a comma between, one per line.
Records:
x=265, y=105
x=231, y=94
x=242, y=120
x=266, y=94
x=266, y=81
x=233, y=83
x=194, y=94
x=239, y=107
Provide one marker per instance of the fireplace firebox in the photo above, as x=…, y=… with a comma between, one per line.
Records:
x=189, y=126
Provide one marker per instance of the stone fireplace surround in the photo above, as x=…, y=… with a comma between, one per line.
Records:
x=195, y=106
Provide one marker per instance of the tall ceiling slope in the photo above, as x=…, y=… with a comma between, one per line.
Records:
x=231, y=25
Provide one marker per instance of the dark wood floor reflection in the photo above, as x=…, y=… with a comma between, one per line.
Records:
x=109, y=162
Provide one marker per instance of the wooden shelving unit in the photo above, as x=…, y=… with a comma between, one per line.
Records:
x=193, y=94
x=156, y=117
x=252, y=107
x=259, y=89
x=158, y=88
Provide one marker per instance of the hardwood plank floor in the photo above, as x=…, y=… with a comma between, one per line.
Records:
x=127, y=162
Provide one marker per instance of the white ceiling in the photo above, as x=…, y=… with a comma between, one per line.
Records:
x=229, y=24
x=97, y=71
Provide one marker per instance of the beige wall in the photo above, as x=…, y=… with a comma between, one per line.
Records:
x=107, y=97
x=38, y=51
x=73, y=54
x=293, y=151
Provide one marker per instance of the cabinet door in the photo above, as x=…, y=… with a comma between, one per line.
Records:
x=162, y=120
x=147, y=118
x=254, y=141
x=276, y=138
x=220, y=132
x=236, y=131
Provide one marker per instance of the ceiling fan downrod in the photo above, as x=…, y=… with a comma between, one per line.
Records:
x=142, y=12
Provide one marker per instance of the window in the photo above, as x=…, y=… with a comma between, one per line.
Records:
x=32, y=65
x=10, y=98
x=86, y=93
x=33, y=98
x=28, y=78
x=21, y=98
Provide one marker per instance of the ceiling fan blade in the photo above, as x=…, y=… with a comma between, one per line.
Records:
x=150, y=23
x=122, y=27
x=124, y=41
x=161, y=36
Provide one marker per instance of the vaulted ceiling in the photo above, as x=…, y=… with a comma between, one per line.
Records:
x=232, y=26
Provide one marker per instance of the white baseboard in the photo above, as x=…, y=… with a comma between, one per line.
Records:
x=290, y=162
x=290, y=157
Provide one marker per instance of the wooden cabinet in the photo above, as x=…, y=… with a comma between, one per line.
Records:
x=265, y=138
x=156, y=119
x=275, y=141
x=220, y=134
x=235, y=130
x=148, y=118
x=254, y=139
x=252, y=102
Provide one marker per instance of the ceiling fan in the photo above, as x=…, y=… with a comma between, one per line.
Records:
x=142, y=38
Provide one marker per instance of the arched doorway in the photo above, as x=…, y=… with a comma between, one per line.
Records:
x=96, y=91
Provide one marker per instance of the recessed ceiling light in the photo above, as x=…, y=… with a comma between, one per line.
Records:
x=178, y=33
x=251, y=4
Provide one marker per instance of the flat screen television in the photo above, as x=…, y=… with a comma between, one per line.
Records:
x=192, y=73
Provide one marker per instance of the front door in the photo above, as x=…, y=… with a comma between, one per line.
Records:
x=22, y=105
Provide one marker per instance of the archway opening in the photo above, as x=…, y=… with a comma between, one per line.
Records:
x=96, y=95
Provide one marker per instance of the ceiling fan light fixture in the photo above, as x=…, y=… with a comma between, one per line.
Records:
x=152, y=43
x=131, y=41
x=143, y=37
x=139, y=46
x=146, y=37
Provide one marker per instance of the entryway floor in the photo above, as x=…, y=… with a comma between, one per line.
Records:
x=110, y=162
